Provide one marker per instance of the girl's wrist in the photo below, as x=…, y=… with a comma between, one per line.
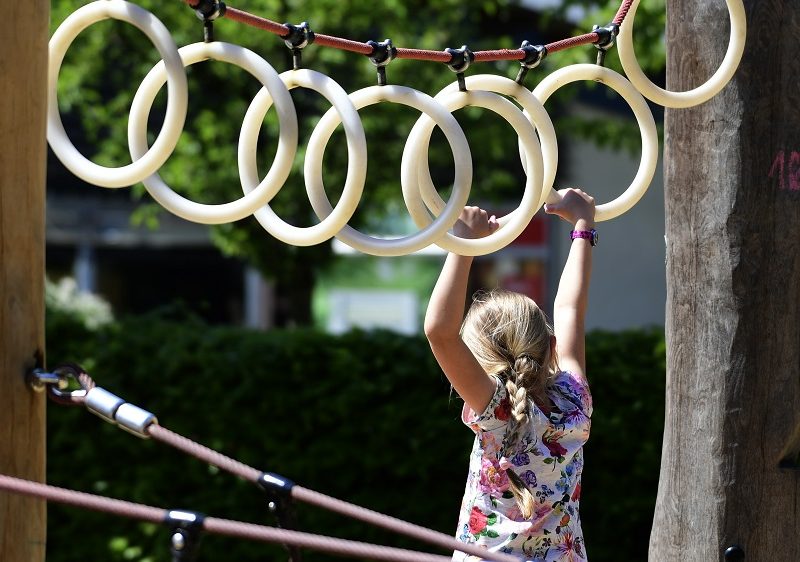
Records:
x=583, y=224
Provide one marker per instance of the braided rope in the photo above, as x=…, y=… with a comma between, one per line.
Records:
x=410, y=53
x=238, y=529
x=237, y=468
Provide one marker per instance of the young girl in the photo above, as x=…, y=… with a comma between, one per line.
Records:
x=525, y=393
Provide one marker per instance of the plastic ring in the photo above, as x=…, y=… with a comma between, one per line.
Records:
x=409, y=175
x=356, y=167
x=287, y=144
x=533, y=109
x=176, y=86
x=700, y=94
x=415, y=155
x=644, y=117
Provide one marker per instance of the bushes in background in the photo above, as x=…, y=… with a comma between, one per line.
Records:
x=365, y=417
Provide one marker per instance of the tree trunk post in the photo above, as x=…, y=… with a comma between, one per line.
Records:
x=23, y=152
x=730, y=486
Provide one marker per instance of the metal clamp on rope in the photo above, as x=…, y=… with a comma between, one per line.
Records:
x=103, y=403
x=382, y=54
x=187, y=529
x=534, y=55
x=606, y=37
x=134, y=419
x=208, y=11
x=299, y=37
x=279, y=493
x=115, y=410
x=460, y=59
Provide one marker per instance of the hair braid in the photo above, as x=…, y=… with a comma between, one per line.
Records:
x=510, y=337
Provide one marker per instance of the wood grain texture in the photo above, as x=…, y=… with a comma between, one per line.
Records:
x=23, y=76
x=732, y=197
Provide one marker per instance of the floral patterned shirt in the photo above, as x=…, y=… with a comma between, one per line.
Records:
x=548, y=458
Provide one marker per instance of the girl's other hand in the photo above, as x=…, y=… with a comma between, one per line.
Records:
x=474, y=222
x=575, y=206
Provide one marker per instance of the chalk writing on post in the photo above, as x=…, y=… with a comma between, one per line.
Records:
x=786, y=168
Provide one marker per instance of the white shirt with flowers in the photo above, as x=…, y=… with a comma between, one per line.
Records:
x=548, y=458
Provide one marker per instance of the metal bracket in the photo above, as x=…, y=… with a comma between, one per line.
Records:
x=299, y=37
x=534, y=55
x=382, y=54
x=460, y=59
x=606, y=37
x=187, y=530
x=208, y=11
x=279, y=494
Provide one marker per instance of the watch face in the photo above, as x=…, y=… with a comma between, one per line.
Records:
x=595, y=237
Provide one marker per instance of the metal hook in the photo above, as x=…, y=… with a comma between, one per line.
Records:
x=299, y=36
x=56, y=383
x=382, y=54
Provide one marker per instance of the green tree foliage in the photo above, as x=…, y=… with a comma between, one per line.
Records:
x=106, y=63
x=376, y=428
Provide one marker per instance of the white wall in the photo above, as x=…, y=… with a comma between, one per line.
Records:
x=628, y=283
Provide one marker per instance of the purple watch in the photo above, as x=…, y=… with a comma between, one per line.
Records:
x=590, y=235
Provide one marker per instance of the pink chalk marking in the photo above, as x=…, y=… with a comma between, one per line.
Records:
x=777, y=166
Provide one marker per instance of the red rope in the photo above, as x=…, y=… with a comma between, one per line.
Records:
x=584, y=39
x=622, y=12
x=414, y=54
x=214, y=525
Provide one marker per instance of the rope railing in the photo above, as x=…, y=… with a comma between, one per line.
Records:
x=144, y=424
x=364, y=48
x=227, y=527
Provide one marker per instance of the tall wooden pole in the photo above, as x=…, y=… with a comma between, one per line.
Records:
x=23, y=81
x=732, y=182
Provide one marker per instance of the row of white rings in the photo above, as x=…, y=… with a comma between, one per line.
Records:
x=432, y=215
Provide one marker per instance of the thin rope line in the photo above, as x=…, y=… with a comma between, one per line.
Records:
x=215, y=525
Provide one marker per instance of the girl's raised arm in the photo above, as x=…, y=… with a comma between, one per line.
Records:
x=445, y=314
x=572, y=298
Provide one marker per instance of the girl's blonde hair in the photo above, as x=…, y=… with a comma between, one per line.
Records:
x=510, y=337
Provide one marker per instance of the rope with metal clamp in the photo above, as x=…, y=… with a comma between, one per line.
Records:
x=606, y=37
x=460, y=59
x=208, y=11
x=279, y=494
x=187, y=529
x=534, y=55
x=382, y=54
x=99, y=401
x=299, y=37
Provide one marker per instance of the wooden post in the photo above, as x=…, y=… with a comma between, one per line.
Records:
x=732, y=190
x=23, y=80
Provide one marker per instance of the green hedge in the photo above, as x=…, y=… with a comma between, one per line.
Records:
x=365, y=417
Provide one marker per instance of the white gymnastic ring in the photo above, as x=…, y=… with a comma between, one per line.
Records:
x=702, y=93
x=356, y=166
x=644, y=117
x=415, y=156
x=533, y=109
x=284, y=156
x=461, y=184
x=175, y=116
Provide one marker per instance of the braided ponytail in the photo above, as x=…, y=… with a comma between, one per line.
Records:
x=510, y=337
